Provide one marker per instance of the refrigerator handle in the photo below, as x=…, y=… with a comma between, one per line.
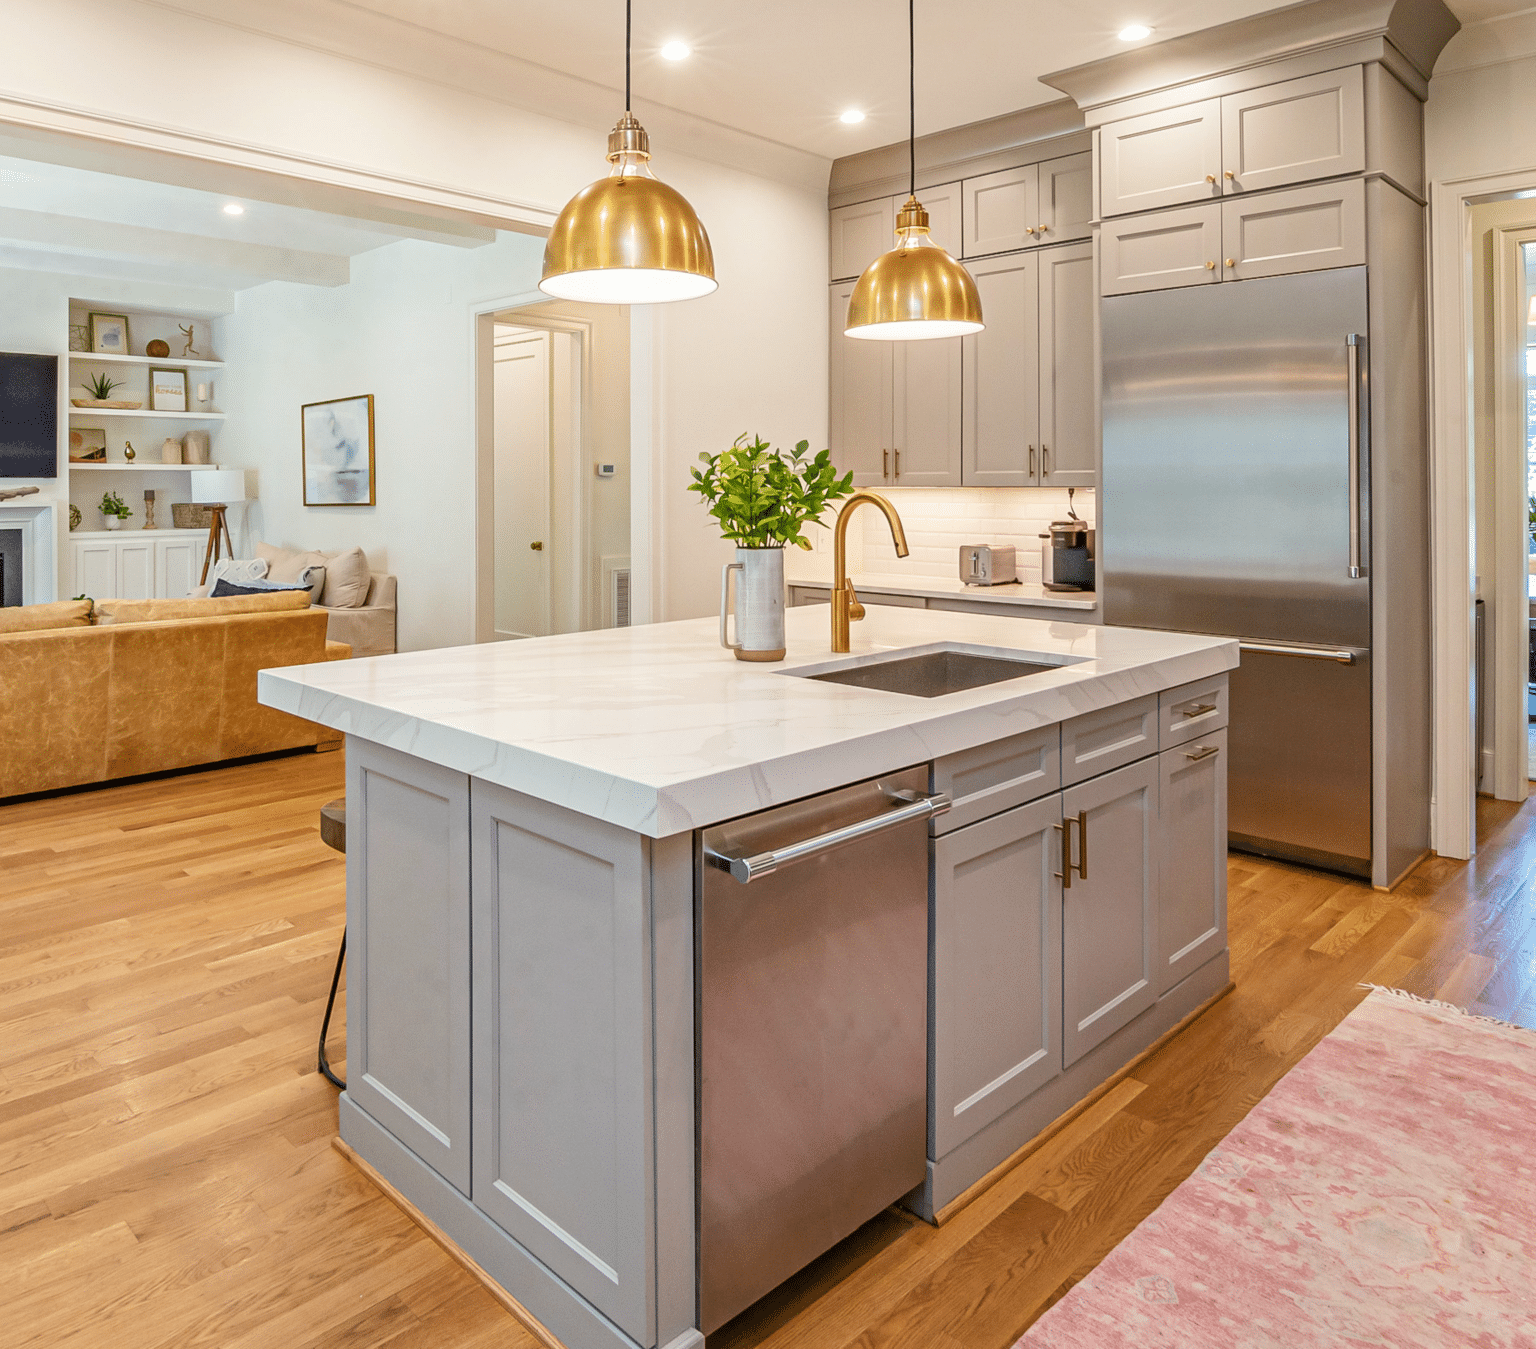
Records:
x=1353, y=344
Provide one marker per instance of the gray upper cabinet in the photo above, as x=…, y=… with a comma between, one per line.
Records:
x=408, y=982
x=1002, y=379
x=1069, y=440
x=563, y=1154
x=859, y=397
x=1160, y=251
x=1002, y=211
x=1066, y=198
x=1294, y=132
x=1192, y=855
x=860, y=234
x=925, y=420
x=1109, y=911
x=996, y=969
x=943, y=204
x=1302, y=229
x=1162, y=158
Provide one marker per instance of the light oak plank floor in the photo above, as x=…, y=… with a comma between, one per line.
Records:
x=166, y=1175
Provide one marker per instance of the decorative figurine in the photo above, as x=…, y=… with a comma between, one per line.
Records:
x=149, y=509
x=186, y=331
x=129, y=453
x=74, y=516
x=158, y=348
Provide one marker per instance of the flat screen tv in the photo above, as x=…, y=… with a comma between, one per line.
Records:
x=29, y=416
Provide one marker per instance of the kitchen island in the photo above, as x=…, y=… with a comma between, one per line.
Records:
x=525, y=871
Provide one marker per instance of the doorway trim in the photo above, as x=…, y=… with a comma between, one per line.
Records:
x=1453, y=812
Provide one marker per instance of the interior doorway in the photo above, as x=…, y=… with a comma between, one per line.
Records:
x=554, y=472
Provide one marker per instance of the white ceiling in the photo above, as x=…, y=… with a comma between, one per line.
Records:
x=785, y=69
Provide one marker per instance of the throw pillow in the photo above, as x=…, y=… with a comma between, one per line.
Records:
x=251, y=588
x=238, y=570
x=287, y=564
x=41, y=617
x=346, y=580
x=313, y=578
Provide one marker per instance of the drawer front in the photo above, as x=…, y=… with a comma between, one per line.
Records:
x=1099, y=741
x=997, y=777
x=1192, y=710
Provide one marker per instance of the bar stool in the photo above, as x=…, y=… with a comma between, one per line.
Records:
x=333, y=833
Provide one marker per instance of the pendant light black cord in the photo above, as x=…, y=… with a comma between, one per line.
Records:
x=629, y=11
x=912, y=91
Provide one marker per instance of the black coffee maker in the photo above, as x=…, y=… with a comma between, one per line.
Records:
x=1067, y=556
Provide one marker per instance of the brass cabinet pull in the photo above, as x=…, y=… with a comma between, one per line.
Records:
x=1045, y=461
x=1201, y=752
x=1199, y=709
x=885, y=463
x=897, y=453
x=1031, y=461
x=1082, y=845
x=1065, y=874
x=1065, y=830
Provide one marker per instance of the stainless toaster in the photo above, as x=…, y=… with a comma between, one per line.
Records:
x=988, y=564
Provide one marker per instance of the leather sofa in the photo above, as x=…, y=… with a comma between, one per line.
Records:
x=143, y=688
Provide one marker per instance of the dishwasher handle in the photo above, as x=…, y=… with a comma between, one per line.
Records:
x=914, y=807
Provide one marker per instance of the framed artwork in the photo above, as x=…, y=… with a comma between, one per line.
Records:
x=338, y=452
x=167, y=390
x=87, y=444
x=109, y=333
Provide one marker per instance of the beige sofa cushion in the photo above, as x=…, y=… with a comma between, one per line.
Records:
x=346, y=579
x=154, y=611
x=41, y=617
x=288, y=564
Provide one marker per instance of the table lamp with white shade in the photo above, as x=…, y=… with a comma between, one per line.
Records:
x=217, y=488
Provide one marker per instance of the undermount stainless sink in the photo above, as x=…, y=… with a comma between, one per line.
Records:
x=934, y=671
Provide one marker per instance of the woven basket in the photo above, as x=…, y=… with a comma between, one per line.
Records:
x=186, y=515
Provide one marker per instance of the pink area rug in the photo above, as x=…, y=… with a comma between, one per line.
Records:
x=1383, y=1194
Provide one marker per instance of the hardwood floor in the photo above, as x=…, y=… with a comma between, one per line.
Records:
x=166, y=1174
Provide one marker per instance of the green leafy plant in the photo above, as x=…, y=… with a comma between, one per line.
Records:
x=763, y=497
x=112, y=504
x=101, y=387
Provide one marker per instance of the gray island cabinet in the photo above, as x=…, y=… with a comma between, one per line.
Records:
x=523, y=883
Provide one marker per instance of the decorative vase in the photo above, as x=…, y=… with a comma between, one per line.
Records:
x=112, y=521
x=170, y=450
x=759, y=606
x=195, y=447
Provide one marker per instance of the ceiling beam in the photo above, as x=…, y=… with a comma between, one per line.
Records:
x=73, y=236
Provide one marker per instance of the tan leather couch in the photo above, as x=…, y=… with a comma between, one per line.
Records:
x=143, y=689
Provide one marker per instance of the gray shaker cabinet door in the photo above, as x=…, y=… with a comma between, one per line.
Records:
x=859, y=399
x=1109, y=915
x=1163, y=158
x=408, y=952
x=1161, y=251
x=1192, y=867
x=1293, y=132
x=1069, y=439
x=1066, y=199
x=1002, y=212
x=859, y=234
x=925, y=425
x=1002, y=409
x=563, y=1157
x=996, y=969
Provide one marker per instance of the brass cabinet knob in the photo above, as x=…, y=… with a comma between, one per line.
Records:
x=1029, y=229
x=1230, y=263
x=1230, y=176
x=1210, y=177
x=1210, y=266
x=1043, y=229
x=537, y=545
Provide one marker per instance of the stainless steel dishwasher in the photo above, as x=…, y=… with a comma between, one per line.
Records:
x=812, y=1029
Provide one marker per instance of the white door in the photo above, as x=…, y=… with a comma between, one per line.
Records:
x=521, y=482
x=177, y=565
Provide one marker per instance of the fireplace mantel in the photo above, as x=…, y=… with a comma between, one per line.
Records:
x=39, y=548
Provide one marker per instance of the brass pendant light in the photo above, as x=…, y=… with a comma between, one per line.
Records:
x=628, y=238
x=916, y=291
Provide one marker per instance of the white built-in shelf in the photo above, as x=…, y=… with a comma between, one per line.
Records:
x=103, y=357
x=147, y=412
x=168, y=531
x=118, y=465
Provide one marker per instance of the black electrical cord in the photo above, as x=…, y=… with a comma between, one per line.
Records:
x=912, y=92
x=629, y=12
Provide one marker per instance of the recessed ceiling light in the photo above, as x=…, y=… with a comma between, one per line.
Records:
x=1134, y=32
x=851, y=116
x=677, y=51
x=233, y=208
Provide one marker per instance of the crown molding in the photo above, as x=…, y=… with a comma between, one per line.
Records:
x=1416, y=29
x=1511, y=37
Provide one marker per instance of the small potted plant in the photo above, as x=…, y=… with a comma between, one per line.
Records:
x=100, y=387
x=113, y=511
x=763, y=499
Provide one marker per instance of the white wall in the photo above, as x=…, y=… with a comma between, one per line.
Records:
x=750, y=357
x=402, y=331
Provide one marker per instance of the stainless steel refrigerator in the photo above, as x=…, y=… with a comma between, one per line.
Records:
x=1236, y=499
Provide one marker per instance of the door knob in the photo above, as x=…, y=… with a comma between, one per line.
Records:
x=537, y=545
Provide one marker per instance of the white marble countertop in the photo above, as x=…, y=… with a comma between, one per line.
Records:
x=942, y=587
x=660, y=730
